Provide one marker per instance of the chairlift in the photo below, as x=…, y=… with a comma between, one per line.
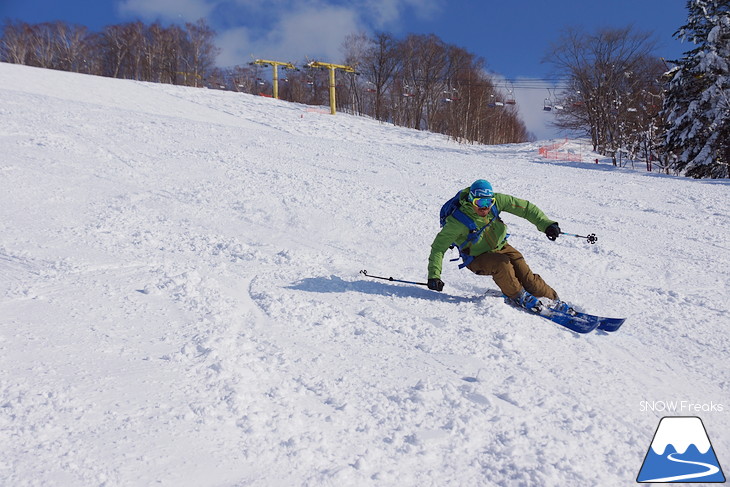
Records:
x=511, y=95
x=578, y=103
x=449, y=95
x=548, y=104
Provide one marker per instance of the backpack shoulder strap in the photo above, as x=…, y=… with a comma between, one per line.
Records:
x=464, y=220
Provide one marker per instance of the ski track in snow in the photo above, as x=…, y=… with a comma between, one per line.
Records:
x=181, y=302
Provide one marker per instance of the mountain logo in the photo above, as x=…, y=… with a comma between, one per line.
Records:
x=681, y=452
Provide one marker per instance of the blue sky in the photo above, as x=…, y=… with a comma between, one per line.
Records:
x=512, y=36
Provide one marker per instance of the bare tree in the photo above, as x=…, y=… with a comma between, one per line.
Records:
x=607, y=76
x=355, y=47
x=115, y=49
x=70, y=45
x=379, y=67
x=200, y=54
x=16, y=42
x=134, y=37
x=44, y=50
x=423, y=63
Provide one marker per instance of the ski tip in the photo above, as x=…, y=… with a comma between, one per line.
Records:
x=611, y=324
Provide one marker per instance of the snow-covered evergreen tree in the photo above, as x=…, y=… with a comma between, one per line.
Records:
x=697, y=105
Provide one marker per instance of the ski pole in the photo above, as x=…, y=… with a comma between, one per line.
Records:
x=591, y=238
x=365, y=273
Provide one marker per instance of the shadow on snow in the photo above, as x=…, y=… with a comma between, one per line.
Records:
x=335, y=284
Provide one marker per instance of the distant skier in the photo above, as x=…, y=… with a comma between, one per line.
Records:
x=474, y=227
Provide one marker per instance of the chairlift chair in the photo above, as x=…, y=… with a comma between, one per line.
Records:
x=511, y=95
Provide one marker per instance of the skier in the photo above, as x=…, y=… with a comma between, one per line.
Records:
x=480, y=236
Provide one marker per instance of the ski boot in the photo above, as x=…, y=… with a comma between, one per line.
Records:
x=527, y=301
x=561, y=306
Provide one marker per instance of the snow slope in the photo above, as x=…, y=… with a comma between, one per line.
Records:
x=180, y=301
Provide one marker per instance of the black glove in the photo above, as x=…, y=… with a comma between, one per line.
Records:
x=553, y=231
x=436, y=284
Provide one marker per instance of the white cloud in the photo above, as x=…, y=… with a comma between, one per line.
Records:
x=236, y=47
x=317, y=32
x=382, y=14
x=287, y=30
x=309, y=32
x=171, y=10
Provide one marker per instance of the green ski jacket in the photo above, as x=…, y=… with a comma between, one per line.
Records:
x=492, y=238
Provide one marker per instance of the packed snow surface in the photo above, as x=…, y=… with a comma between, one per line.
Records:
x=181, y=303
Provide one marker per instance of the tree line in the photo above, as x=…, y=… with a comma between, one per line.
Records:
x=172, y=54
x=613, y=91
x=633, y=104
x=424, y=83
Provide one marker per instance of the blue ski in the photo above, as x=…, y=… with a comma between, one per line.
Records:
x=577, y=321
x=610, y=324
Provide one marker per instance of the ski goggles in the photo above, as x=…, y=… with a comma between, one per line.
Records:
x=482, y=202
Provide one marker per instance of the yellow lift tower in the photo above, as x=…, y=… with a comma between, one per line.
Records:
x=275, y=65
x=332, y=68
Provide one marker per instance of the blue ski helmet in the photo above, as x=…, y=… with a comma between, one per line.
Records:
x=480, y=189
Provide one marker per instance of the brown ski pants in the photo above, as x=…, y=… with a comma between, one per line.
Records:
x=511, y=273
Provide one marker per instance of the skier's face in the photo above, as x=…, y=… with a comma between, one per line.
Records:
x=482, y=211
x=482, y=206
